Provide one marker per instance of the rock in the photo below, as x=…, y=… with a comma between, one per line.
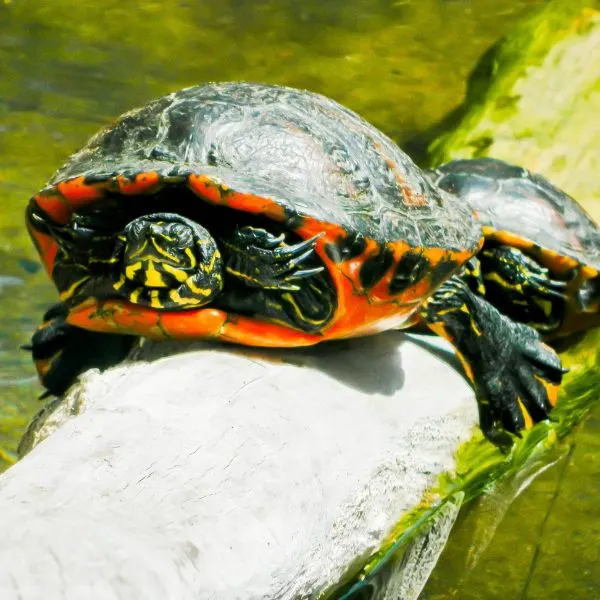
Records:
x=212, y=473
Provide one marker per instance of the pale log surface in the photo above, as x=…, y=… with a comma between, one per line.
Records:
x=215, y=474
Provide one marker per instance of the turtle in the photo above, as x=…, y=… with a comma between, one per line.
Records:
x=267, y=216
x=540, y=262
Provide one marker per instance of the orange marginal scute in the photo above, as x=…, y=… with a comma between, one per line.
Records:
x=249, y=331
x=557, y=262
x=311, y=227
x=46, y=247
x=255, y=204
x=78, y=193
x=205, y=187
x=142, y=184
x=115, y=316
x=55, y=206
x=202, y=323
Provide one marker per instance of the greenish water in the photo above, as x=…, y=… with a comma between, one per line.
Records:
x=547, y=544
x=67, y=68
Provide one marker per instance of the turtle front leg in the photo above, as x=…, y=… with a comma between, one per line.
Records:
x=62, y=351
x=261, y=260
x=515, y=375
x=271, y=279
x=522, y=289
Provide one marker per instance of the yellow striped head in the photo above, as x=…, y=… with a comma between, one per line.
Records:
x=168, y=262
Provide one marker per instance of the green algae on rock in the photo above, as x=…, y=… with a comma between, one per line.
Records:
x=534, y=100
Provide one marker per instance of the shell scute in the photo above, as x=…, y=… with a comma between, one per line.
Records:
x=524, y=209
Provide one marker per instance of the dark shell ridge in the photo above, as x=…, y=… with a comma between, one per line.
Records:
x=311, y=155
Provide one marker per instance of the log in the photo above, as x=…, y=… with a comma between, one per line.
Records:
x=200, y=471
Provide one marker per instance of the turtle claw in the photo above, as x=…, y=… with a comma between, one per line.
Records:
x=273, y=242
x=544, y=360
x=298, y=250
x=515, y=375
x=300, y=259
x=262, y=260
x=546, y=281
x=307, y=273
x=546, y=287
x=521, y=388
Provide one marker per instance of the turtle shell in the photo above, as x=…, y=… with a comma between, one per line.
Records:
x=524, y=209
x=289, y=156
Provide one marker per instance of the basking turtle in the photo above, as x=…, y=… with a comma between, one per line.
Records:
x=266, y=216
x=540, y=261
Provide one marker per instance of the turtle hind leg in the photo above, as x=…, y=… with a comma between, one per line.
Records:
x=522, y=289
x=514, y=374
x=62, y=351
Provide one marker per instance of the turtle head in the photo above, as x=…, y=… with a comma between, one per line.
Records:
x=168, y=262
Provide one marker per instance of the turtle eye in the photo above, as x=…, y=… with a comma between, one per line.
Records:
x=179, y=235
x=136, y=230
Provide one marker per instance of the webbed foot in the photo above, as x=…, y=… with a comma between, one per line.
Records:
x=62, y=351
x=515, y=375
x=265, y=261
x=520, y=387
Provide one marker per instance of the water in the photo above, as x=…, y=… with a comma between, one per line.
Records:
x=547, y=545
x=67, y=68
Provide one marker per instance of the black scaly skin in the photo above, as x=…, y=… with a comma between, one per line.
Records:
x=506, y=360
x=269, y=278
x=521, y=288
x=263, y=260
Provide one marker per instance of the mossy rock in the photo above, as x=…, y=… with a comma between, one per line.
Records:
x=534, y=99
